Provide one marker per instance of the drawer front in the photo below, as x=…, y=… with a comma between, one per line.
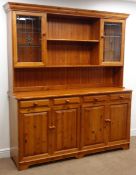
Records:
x=96, y=98
x=72, y=100
x=34, y=110
x=34, y=103
x=120, y=96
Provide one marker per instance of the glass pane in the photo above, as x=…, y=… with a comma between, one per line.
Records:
x=112, y=41
x=28, y=38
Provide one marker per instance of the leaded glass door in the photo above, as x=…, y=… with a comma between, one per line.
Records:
x=29, y=39
x=112, y=41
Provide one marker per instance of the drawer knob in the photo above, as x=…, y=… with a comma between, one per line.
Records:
x=25, y=141
x=108, y=120
x=102, y=36
x=121, y=97
x=95, y=99
x=35, y=104
x=44, y=34
x=67, y=101
x=52, y=127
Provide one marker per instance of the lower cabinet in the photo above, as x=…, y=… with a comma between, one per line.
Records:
x=92, y=126
x=72, y=126
x=66, y=130
x=50, y=131
x=119, y=121
x=105, y=123
x=34, y=139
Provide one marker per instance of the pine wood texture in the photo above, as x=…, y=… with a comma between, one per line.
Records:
x=93, y=125
x=66, y=132
x=113, y=91
x=13, y=6
x=118, y=118
x=35, y=133
x=66, y=89
x=67, y=78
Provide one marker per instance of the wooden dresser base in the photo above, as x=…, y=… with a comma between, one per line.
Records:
x=73, y=125
x=26, y=164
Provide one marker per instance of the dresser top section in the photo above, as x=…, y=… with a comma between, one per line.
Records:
x=12, y=6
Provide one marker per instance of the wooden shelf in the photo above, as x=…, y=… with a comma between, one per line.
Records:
x=67, y=66
x=67, y=92
x=73, y=40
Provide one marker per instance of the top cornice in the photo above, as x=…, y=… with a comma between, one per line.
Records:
x=12, y=6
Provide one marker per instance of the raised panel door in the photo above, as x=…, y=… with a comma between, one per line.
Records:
x=35, y=133
x=119, y=122
x=66, y=131
x=92, y=126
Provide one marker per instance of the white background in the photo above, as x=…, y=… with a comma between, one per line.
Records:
x=130, y=55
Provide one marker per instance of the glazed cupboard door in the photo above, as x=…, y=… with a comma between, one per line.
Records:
x=119, y=122
x=29, y=43
x=66, y=129
x=35, y=134
x=112, y=40
x=92, y=126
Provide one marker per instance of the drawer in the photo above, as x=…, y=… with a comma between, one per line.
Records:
x=72, y=100
x=34, y=109
x=95, y=98
x=121, y=96
x=34, y=103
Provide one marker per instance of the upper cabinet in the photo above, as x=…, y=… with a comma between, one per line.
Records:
x=72, y=40
x=29, y=32
x=57, y=40
x=112, y=42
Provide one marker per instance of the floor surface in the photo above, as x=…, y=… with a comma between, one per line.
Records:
x=119, y=162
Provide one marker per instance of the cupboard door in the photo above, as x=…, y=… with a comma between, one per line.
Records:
x=35, y=135
x=112, y=41
x=29, y=32
x=119, y=122
x=66, y=132
x=92, y=124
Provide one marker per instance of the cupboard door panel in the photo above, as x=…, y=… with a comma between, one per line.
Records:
x=93, y=125
x=35, y=133
x=112, y=41
x=119, y=119
x=29, y=31
x=66, y=129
